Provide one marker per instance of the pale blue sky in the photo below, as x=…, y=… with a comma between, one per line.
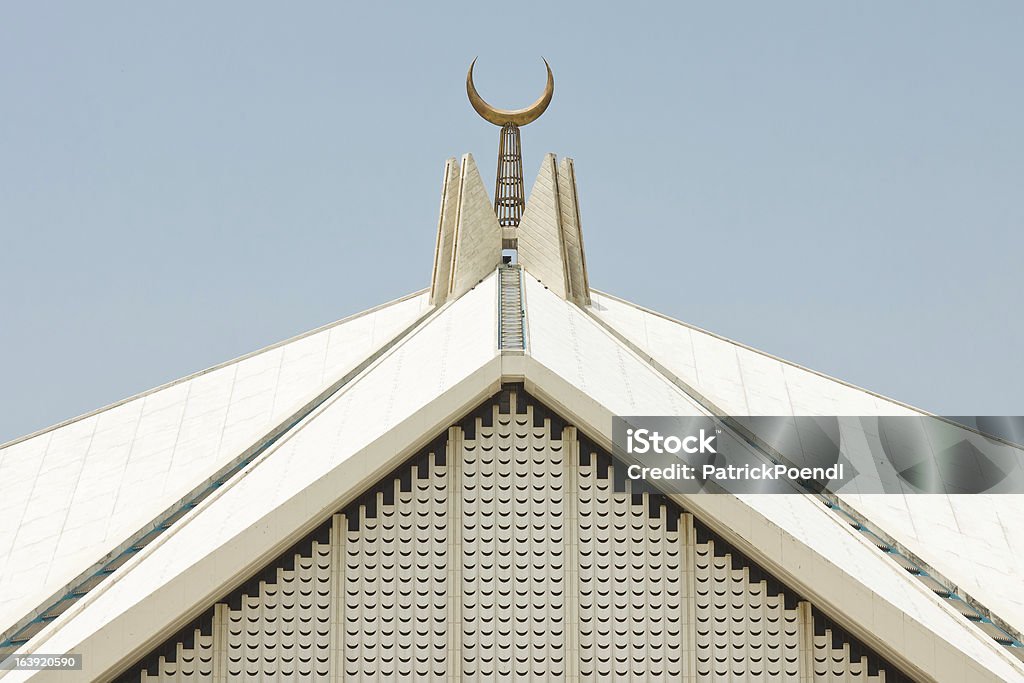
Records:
x=837, y=184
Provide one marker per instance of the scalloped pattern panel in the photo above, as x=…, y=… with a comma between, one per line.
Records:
x=837, y=658
x=282, y=633
x=513, y=551
x=395, y=578
x=190, y=665
x=511, y=548
x=630, y=580
x=743, y=632
x=835, y=665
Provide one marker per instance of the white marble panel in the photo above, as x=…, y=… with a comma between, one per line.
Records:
x=81, y=488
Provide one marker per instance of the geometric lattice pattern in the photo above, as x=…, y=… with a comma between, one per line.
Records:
x=512, y=548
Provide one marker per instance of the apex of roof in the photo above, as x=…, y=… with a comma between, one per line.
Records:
x=548, y=240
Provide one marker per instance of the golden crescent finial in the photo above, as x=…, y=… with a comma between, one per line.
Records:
x=519, y=117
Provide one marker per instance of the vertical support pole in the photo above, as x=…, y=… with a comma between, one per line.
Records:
x=454, y=459
x=806, y=621
x=220, y=642
x=570, y=461
x=688, y=539
x=338, y=530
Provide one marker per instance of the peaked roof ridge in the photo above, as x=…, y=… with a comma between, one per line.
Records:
x=94, y=575
x=212, y=368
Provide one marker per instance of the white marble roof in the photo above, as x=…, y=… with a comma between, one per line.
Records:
x=72, y=494
x=441, y=367
x=974, y=541
x=298, y=478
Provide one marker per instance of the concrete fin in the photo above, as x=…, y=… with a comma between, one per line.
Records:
x=445, y=232
x=550, y=239
x=578, y=284
x=477, y=241
x=540, y=241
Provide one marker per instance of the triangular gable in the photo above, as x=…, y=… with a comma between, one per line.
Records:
x=975, y=541
x=79, y=492
x=424, y=577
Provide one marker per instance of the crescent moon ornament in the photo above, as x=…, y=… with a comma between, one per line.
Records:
x=517, y=117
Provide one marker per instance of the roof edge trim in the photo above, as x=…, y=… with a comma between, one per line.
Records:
x=751, y=348
x=210, y=369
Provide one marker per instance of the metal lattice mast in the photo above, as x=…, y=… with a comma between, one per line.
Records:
x=509, y=195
